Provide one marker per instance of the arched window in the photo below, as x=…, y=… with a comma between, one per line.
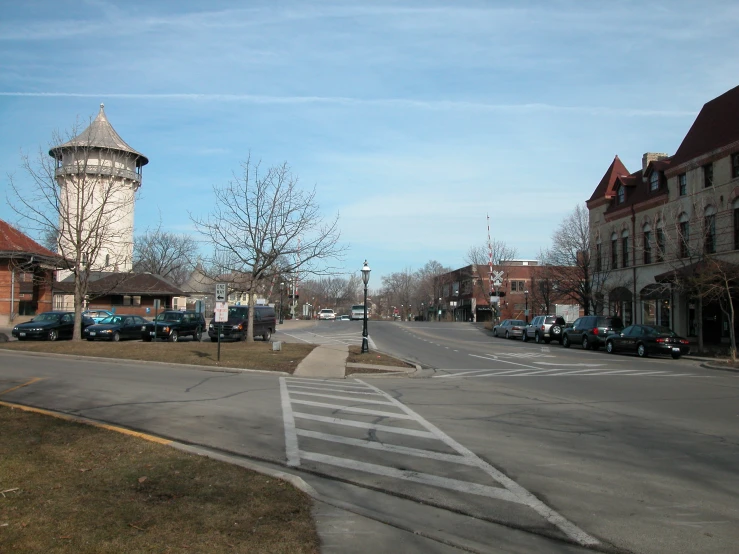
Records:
x=621, y=194
x=660, y=242
x=647, y=240
x=735, y=210
x=625, y=248
x=683, y=230
x=709, y=230
x=654, y=181
x=598, y=256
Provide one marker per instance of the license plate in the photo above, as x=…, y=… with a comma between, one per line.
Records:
x=676, y=349
x=93, y=333
x=22, y=334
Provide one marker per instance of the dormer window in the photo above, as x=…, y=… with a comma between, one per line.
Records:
x=621, y=194
x=654, y=181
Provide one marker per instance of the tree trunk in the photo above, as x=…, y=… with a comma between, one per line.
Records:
x=250, y=319
x=699, y=316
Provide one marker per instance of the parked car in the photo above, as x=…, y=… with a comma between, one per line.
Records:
x=540, y=328
x=172, y=324
x=648, y=339
x=97, y=315
x=49, y=326
x=591, y=331
x=265, y=322
x=509, y=328
x=327, y=314
x=115, y=328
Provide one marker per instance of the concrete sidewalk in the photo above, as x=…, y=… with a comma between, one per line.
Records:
x=326, y=360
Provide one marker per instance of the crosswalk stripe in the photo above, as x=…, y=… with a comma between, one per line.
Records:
x=415, y=477
x=343, y=391
x=360, y=400
x=363, y=425
x=341, y=408
x=372, y=445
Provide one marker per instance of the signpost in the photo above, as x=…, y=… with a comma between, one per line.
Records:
x=221, y=313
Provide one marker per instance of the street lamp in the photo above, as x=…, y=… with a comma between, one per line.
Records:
x=365, y=279
x=423, y=315
x=438, y=312
x=526, y=313
x=282, y=288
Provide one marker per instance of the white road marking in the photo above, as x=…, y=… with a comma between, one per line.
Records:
x=335, y=397
x=343, y=391
x=373, y=445
x=569, y=365
x=415, y=477
x=524, y=496
x=341, y=408
x=363, y=425
x=291, y=439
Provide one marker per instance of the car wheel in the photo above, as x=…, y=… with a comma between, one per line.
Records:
x=537, y=338
x=198, y=335
x=566, y=341
x=641, y=351
x=525, y=337
x=174, y=336
x=556, y=330
x=266, y=335
x=116, y=336
x=585, y=343
x=53, y=334
x=675, y=355
x=609, y=347
x=506, y=335
x=495, y=333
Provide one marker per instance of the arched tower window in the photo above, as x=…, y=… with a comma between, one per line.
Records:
x=647, y=240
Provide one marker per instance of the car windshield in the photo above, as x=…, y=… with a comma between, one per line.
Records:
x=113, y=320
x=169, y=316
x=47, y=317
x=660, y=330
x=517, y=322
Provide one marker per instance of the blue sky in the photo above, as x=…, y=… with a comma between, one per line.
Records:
x=413, y=119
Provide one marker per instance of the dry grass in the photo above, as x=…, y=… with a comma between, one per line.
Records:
x=72, y=488
x=255, y=355
x=373, y=358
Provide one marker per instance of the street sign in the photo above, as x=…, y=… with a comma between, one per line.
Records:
x=221, y=312
x=220, y=292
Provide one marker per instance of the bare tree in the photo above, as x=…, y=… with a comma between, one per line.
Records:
x=399, y=288
x=83, y=193
x=480, y=254
x=427, y=278
x=166, y=254
x=579, y=276
x=264, y=224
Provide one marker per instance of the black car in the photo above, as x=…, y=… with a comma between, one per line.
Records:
x=49, y=326
x=591, y=331
x=265, y=321
x=116, y=327
x=648, y=339
x=173, y=324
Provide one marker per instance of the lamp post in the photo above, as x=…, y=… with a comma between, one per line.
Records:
x=282, y=288
x=438, y=312
x=365, y=279
x=423, y=314
x=526, y=313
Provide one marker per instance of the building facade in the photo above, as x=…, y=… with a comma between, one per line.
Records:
x=670, y=219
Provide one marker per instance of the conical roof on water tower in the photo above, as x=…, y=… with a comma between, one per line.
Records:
x=100, y=134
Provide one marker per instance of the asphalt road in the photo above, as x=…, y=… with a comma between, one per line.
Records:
x=494, y=438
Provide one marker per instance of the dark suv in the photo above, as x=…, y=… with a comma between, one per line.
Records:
x=238, y=320
x=591, y=331
x=173, y=324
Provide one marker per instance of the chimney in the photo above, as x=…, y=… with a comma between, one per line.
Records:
x=651, y=157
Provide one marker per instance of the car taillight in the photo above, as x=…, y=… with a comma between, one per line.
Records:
x=542, y=328
x=595, y=331
x=661, y=340
x=683, y=341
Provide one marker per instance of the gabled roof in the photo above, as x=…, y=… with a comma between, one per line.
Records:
x=716, y=126
x=13, y=242
x=606, y=185
x=137, y=284
x=100, y=134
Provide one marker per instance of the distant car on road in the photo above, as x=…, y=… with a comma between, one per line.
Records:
x=326, y=314
x=358, y=311
x=648, y=339
x=344, y=318
x=97, y=315
x=509, y=328
x=116, y=327
x=49, y=326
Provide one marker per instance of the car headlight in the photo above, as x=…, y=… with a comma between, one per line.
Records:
x=238, y=327
x=210, y=326
x=107, y=331
x=165, y=329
